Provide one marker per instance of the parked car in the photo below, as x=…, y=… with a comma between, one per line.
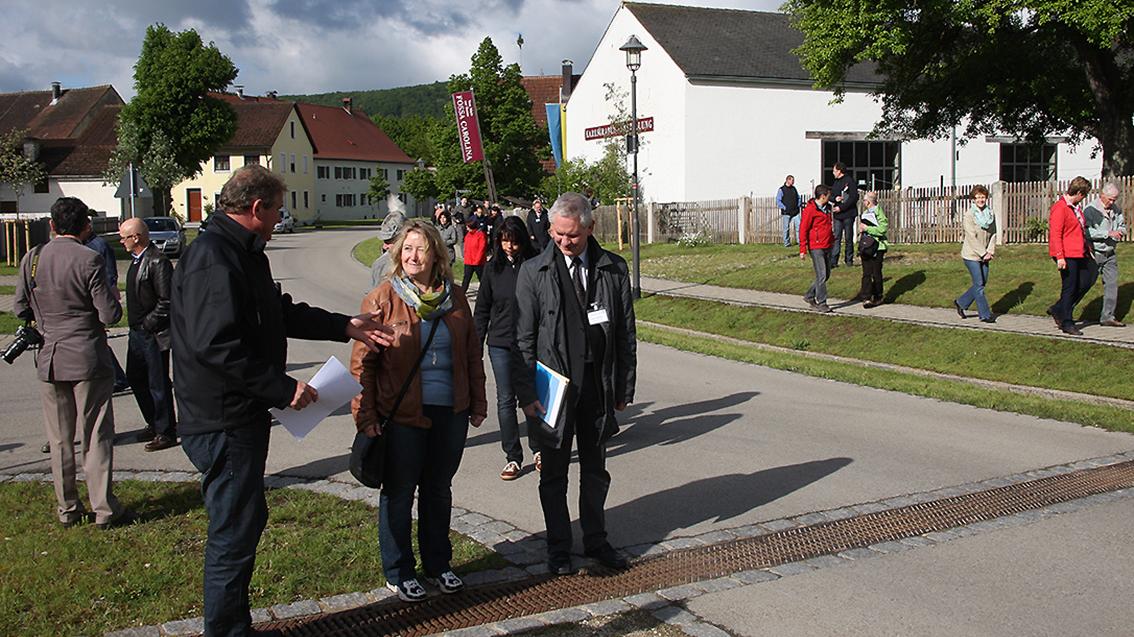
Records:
x=286, y=222
x=167, y=234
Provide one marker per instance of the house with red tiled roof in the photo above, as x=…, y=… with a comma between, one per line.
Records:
x=349, y=150
x=71, y=131
x=269, y=132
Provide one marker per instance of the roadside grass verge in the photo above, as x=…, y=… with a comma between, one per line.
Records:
x=1010, y=358
x=1022, y=279
x=8, y=325
x=7, y=289
x=85, y=581
x=1103, y=416
x=365, y=252
x=8, y=270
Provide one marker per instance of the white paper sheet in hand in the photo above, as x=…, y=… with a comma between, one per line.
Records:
x=336, y=388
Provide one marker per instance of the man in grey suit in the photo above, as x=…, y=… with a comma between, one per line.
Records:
x=62, y=287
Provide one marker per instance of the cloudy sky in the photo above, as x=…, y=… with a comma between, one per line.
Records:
x=303, y=46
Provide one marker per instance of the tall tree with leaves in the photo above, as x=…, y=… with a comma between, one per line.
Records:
x=17, y=169
x=420, y=184
x=379, y=187
x=172, y=125
x=1023, y=67
x=513, y=142
x=410, y=133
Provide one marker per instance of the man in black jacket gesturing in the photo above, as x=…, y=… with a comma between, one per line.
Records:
x=230, y=327
x=148, y=284
x=574, y=313
x=844, y=194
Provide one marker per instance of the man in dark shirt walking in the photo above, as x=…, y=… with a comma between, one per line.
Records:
x=844, y=194
x=230, y=326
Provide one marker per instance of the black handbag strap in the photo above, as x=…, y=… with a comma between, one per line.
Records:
x=413, y=372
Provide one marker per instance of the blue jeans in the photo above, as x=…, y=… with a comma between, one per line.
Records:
x=978, y=270
x=788, y=223
x=506, y=405
x=844, y=238
x=422, y=460
x=147, y=367
x=232, y=464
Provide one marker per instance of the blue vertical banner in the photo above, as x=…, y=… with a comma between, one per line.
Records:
x=555, y=132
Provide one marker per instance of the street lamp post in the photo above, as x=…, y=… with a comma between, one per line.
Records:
x=633, y=49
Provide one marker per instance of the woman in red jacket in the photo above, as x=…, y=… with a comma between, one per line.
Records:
x=816, y=236
x=476, y=246
x=1071, y=252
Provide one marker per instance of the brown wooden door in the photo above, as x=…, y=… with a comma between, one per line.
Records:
x=194, y=204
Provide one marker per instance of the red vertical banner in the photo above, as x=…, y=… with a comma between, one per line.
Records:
x=468, y=126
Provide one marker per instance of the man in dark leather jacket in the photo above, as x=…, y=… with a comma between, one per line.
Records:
x=148, y=284
x=230, y=324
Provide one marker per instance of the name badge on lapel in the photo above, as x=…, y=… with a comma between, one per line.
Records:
x=597, y=315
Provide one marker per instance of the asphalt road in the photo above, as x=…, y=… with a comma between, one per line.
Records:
x=712, y=444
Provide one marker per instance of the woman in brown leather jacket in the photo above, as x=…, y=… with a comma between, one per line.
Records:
x=425, y=436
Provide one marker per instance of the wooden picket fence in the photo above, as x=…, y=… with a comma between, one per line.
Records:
x=916, y=215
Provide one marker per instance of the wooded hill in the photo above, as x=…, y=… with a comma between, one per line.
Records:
x=424, y=99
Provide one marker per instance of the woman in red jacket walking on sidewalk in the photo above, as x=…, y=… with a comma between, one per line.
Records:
x=476, y=246
x=816, y=236
x=1069, y=249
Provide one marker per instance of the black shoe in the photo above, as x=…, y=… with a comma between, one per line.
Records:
x=991, y=319
x=122, y=519
x=608, y=557
x=146, y=434
x=834, y=265
x=822, y=308
x=121, y=388
x=1051, y=313
x=559, y=565
x=1071, y=329
x=46, y=448
x=960, y=310
x=161, y=441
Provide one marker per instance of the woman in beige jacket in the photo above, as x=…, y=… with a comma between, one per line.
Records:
x=977, y=249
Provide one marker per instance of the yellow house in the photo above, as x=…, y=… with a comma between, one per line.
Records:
x=269, y=132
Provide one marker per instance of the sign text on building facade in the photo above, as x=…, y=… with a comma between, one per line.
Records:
x=645, y=125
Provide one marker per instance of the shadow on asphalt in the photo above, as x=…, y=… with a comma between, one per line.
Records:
x=903, y=285
x=715, y=499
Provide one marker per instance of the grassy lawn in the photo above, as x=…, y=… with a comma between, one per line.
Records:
x=1022, y=280
x=84, y=581
x=1103, y=416
x=7, y=289
x=7, y=270
x=8, y=325
x=975, y=354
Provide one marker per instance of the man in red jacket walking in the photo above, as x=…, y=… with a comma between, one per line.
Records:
x=1068, y=247
x=816, y=236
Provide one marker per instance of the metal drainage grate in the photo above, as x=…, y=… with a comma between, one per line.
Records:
x=499, y=602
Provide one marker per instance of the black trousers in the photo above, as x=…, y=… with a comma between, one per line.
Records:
x=594, y=480
x=467, y=277
x=147, y=367
x=844, y=238
x=1076, y=280
x=871, y=277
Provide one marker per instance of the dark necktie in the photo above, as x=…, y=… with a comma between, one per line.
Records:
x=577, y=280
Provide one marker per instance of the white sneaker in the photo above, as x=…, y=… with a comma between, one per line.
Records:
x=538, y=461
x=410, y=590
x=448, y=582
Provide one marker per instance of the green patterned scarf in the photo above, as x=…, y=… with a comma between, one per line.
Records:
x=984, y=217
x=428, y=305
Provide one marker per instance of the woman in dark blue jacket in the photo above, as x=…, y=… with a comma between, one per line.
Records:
x=493, y=317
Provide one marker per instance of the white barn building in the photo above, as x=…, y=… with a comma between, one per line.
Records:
x=734, y=111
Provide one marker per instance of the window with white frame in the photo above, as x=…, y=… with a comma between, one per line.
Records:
x=1027, y=162
x=221, y=163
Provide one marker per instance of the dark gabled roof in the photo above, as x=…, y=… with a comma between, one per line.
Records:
x=259, y=120
x=732, y=44
x=76, y=135
x=66, y=119
x=337, y=133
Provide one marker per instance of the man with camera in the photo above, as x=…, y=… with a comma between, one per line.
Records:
x=148, y=284
x=62, y=288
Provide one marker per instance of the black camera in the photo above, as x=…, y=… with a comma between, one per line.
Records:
x=27, y=337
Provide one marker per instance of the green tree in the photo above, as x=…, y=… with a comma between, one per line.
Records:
x=410, y=133
x=17, y=169
x=379, y=187
x=172, y=125
x=513, y=143
x=607, y=178
x=420, y=184
x=1022, y=67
